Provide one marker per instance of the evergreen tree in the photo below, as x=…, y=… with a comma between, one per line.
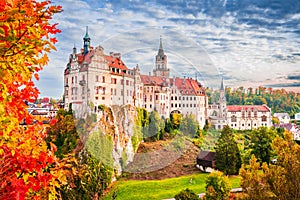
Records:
x=228, y=158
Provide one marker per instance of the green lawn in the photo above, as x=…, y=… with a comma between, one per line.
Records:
x=161, y=189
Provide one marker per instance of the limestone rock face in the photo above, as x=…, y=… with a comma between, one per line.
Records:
x=118, y=122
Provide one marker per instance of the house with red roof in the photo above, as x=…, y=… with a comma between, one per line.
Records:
x=92, y=78
x=240, y=117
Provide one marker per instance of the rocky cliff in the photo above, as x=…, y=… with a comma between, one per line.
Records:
x=117, y=123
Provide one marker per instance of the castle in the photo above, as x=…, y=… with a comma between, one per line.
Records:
x=92, y=78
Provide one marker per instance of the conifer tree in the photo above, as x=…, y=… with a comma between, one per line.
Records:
x=228, y=158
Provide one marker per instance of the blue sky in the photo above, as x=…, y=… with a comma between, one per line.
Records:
x=249, y=42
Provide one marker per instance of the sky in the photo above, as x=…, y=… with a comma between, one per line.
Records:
x=247, y=42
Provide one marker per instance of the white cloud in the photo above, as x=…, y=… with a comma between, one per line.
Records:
x=192, y=39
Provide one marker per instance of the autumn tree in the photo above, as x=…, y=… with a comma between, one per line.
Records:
x=217, y=186
x=260, y=143
x=63, y=133
x=190, y=127
x=274, y=181
x=228, y=158
x=25, y=39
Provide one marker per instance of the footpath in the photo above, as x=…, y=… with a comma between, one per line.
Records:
x=203, y=194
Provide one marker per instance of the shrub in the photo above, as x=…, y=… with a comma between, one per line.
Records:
x=186, y=194
x=217, y=186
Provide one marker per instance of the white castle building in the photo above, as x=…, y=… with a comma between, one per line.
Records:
x=92, y=78
x=240, y=117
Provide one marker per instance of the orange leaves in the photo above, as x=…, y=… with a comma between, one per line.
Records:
x=25, y=41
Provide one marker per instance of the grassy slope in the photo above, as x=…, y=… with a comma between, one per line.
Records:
x=161, y=189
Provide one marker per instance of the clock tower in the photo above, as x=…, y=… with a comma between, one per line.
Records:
x=161, y=69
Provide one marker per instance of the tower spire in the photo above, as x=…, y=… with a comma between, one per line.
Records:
x=222, y=84
x=161, y=68
x=86, y=42
x=161, y=49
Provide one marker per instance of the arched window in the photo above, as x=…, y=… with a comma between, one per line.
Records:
x=264, y=118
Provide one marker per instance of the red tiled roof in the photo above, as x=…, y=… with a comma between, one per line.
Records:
x=115, y=63
x=237, y=108
x=198, y=89
x=184, y=85
x=45, y=100
x=152, y=80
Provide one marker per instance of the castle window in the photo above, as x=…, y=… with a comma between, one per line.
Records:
x=171, y=105
x=264, y=118
x=97, y=78
x=194, y=98
x=83, y=77
x=182, y=98
x=175, y=98
x=114, y=81
x=72, y=79
x=127, y=82
x=156, y=97
x=249, y=114
x=172, y=98
x=255, y=113
x=75, y=79
x=233, y=118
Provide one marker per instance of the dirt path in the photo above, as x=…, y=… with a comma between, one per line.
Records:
x=183, y=164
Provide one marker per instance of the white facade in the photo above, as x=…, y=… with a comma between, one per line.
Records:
x=248, y=117
x=239, y=117
x=92, y=79
x=283, y=118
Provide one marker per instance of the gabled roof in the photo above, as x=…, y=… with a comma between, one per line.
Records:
x=206, y=155
x=115, y=62
x=239, y=108
x=184, y=85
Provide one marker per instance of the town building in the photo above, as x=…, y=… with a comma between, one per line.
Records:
x=92, y=78
x=283, y=118
x=297, y=117
x=240, y=117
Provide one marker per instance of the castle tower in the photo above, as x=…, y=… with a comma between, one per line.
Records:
x=86, y=42
x=161, y=62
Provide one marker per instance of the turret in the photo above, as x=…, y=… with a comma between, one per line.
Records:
x=86, y=42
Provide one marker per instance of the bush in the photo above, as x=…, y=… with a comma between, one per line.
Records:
x=186, y=194
x=217, y=186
